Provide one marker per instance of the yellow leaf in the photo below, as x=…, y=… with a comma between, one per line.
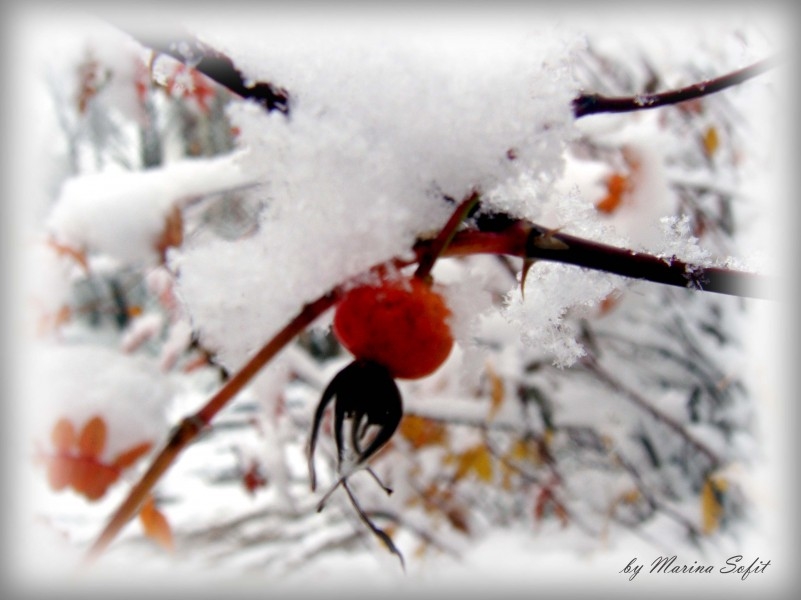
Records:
x=525, y=450
x=475, y=460
x=420, y=432
x=711, y=508
x=711, y=141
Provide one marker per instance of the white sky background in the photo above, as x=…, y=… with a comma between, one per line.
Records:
x=506, y=560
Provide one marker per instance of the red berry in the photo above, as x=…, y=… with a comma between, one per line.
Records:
x=401, y=324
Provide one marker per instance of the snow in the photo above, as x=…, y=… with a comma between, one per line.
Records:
x=418, y=120
x=81, y=381
x=122, y=213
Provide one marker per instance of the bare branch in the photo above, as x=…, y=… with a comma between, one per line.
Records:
x=591, y=104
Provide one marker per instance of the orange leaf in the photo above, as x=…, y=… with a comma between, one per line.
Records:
x=52, y=321
x=130, y=456
x=63, y=436
x=617, y=185
x=135, y=311
x=81, y=472
x=76, y=254
x=93, y=478
x=93, y=438
x=155, y=525
x=608, y=303
x=173, y=233
x=59, y=472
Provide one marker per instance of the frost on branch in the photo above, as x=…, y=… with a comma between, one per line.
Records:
x=576, y=406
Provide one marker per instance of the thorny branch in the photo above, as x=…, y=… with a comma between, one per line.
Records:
x=532, y=241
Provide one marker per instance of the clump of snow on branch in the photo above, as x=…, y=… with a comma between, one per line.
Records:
x=122, y=213
x=378, y=134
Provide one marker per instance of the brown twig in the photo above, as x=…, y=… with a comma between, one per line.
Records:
x=213, y=64
x=590, y=104
x=432, y=251
x=528, y=240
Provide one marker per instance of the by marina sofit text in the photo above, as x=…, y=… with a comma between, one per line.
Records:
x=735, y=565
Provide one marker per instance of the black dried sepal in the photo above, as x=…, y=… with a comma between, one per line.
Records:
x=366, y=394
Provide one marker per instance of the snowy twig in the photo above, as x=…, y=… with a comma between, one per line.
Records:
x=528, y=240
x=433, y=251
x=592, y=365
x=217, y=67
x=652, y=501
x=417, y=530
x=188, y=429
x=590, y=104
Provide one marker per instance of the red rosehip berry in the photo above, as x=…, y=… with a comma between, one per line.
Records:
x=401, y=324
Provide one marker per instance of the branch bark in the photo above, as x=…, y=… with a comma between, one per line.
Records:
x=591, y=104
x=532, y=241
x=215, y=65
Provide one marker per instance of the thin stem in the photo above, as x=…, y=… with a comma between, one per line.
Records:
x=590, y=104
x=592, y=365
x=380, y=533
x=427, y=259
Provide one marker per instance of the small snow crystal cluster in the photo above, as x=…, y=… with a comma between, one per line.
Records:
x=381, y=129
